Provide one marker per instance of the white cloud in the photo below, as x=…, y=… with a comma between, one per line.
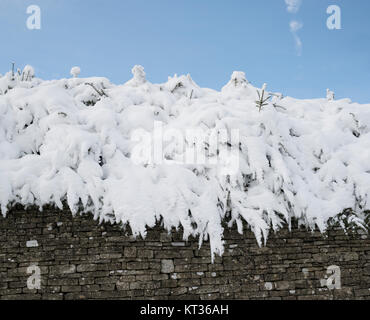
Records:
x=294, y=27
x=293, y=5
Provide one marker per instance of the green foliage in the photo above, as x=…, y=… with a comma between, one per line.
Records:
x=262, y=101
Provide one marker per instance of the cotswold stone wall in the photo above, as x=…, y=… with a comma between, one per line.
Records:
x=76, y=258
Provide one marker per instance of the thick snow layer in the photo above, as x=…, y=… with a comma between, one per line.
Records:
x=70, y=140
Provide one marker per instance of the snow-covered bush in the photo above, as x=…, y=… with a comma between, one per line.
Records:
x=306, y=159
x=238, y=79
x=28, y=73
x=17, y=78
x=262, y=99
x=238, y=87
x=139, y=76
x=330, y=95
x=75, y=71
x=183, y=86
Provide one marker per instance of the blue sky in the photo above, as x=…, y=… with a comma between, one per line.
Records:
x=206, y=38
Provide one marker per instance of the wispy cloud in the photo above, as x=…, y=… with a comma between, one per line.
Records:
x=293, y=5
x=295, y=26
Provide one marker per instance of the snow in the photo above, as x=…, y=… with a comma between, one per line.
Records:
x=71, y=141
x=75, y=71
x=330, y=95
x=28, y=73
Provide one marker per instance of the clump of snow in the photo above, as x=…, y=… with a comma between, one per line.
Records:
x=238, y=87
x=183, y=86
x=330, y=95
x=28, y=73
x=66, y=141
x=139, y=76
x=238, y=80
x=24, y=79
x=75, y=72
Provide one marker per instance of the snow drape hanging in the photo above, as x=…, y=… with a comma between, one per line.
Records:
x=71, y=140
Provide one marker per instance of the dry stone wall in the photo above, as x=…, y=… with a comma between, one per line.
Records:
x=52, y=255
